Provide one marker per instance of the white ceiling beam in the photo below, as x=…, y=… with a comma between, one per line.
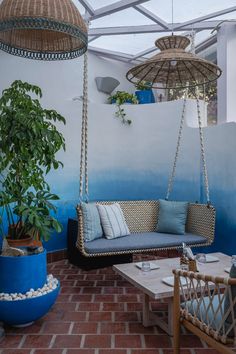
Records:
x=91, y=39
x=151, y=16
x=111, y=31
x=144, y=52
x=206, y=17
x=111, y=54
x=117, y=6
x=87, y=7
x=205, y=44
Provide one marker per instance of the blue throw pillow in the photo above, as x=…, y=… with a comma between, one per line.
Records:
x=172, y=217
x=92, y=224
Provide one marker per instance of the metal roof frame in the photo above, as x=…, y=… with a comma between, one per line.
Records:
x=207, y=22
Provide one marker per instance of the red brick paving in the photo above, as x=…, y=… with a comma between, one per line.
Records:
x=97, y=312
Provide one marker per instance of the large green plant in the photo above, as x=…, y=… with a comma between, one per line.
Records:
x=29, y=141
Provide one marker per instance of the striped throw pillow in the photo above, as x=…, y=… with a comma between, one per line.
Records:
x=113, y=221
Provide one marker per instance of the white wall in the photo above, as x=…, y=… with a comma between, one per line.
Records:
x=226, y=57
x=63, y=80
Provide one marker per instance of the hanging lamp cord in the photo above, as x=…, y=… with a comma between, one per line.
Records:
x=84, y=181
x=172, y=17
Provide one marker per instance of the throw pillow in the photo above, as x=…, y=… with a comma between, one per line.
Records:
x=172, y=217
x=113, y=221
x=229, y=319
x=92, y=223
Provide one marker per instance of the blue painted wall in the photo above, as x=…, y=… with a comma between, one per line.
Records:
x=129, y=162
x=135, y=163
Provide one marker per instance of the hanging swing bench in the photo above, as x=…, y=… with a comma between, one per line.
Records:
x=141, y=216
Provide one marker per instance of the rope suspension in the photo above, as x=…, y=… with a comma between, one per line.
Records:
x=172, y=176
x=203, y=157
x=84, y=184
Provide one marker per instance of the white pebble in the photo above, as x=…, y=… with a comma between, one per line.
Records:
x=50, y=285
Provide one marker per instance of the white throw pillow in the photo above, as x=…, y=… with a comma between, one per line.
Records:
x=113, y=221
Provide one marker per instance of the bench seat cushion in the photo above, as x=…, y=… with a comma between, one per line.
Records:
x=144, y=240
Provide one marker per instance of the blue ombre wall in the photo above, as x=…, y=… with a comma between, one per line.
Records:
x=129, y=162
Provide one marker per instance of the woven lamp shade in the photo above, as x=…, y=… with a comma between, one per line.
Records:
x=173, y=67
x=42, y=29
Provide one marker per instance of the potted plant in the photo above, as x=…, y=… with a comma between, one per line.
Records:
x=144, y=92
x=29, y=141
x=120, y=98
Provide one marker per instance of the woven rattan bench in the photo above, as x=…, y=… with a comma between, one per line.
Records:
x=141, y=218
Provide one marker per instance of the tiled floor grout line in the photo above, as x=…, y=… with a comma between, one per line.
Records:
x=71, y=328
x=112, y=341
x=143, y=344
x=82, y=341
x=22, y=341
x=126, y=328
x=87, y=316
x=52, y=341
x=99, y=328
x=171, y=341
x=42, y=328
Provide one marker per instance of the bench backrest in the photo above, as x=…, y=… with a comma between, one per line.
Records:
x=142, y=216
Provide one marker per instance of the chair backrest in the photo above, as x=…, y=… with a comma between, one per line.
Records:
x=202, y=300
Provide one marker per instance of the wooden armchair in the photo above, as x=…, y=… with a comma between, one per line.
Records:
x=206, y=306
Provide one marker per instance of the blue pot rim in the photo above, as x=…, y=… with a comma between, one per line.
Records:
x=25, y=255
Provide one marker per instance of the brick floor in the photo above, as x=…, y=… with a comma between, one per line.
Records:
x=97, y=312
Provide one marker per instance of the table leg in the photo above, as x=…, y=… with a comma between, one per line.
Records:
x=151, y=319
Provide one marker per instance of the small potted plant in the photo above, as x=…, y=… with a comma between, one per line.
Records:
x=29, y=141
x=120, y=98
x=144, y=92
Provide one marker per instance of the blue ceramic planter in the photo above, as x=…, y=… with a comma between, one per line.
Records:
x=145, y=96
x=20, y=274
x=24, y=312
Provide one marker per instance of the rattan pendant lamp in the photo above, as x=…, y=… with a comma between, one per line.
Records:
x=173, y=67
x=42, y=29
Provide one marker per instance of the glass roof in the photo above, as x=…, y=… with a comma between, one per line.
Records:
x=129, y=27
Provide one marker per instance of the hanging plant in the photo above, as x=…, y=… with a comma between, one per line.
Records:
x=119, y=98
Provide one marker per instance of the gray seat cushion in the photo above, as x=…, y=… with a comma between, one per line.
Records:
x=142, y=241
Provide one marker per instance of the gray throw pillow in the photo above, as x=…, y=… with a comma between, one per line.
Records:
x=92, y=224
x=172, y=217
